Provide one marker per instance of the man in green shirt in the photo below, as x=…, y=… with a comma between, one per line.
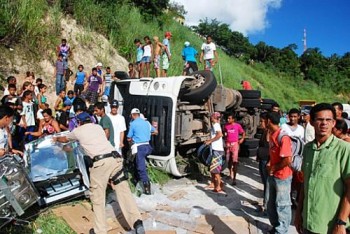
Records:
x=105, y=121
x=324, y=199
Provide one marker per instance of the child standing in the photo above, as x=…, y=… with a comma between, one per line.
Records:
x=157, y=48
x=131, y=72
x=79, y=80
x=27, y=122
x=232, y=131
x=41, y=96
x=139, y=54
x=217, y=153
x=147, y=57
x=107, y=81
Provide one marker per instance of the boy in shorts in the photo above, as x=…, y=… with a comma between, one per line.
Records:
x=232, y=130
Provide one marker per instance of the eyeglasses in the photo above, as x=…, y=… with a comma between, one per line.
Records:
x=328, y=120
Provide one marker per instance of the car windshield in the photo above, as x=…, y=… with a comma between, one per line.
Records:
x=46, y=159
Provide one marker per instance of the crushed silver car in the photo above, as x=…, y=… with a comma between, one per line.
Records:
x=49, y=172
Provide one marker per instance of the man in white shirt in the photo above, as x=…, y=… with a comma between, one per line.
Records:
x=309, y=129
x=292, y=128
x=209, y=54
x=119, y=126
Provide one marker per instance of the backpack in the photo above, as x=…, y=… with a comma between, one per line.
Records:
x=297, y=150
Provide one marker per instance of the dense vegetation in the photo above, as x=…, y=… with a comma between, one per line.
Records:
x=34, y=26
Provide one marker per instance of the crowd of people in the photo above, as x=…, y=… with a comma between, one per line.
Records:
x=322, y=193
x=90, y=116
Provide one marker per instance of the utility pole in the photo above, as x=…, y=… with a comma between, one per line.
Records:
x=304, y=40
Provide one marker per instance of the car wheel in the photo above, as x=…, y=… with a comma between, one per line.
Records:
x=200, y=88
x=250, y=103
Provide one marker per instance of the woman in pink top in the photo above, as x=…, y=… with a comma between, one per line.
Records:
x=232, y=130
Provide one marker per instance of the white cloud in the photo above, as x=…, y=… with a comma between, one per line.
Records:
x=245, y=16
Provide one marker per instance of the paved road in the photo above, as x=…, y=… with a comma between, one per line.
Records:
x=183, y=206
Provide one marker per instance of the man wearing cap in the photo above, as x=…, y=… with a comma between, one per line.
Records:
x=105, y=122
x=166, y=54
x=99, y=69
x=309, y=129
x=209, y=54
x=119, y=126
x=79, y=107
x=107, y=168
x=140, y=134
x=189, y=56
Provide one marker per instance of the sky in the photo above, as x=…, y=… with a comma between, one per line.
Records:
x=281, y=22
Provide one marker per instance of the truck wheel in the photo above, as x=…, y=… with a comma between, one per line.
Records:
x=250, y=103
x=268, y=101
x=266, y=106
x=251, y=143
x=121, y=75
x=252, y=152
x=201, y=87
x=252, y=94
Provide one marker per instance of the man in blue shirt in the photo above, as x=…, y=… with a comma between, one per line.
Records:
x=140, y=134
x=189, y=55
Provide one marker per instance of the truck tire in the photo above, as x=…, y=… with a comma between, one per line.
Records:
x=251, y=94
x=251, y=103
x=266, y=106
x=268, y=101
x=202, y=87
x=121, y=75
x=252, y=152
x=251, y=143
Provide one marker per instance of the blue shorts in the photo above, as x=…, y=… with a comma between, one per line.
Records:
x=107, y=90
x=146, y=59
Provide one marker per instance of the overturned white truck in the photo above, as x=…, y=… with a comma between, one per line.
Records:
x=182, y=106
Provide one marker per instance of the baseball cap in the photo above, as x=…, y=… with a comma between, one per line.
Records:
x=305, y=112
x=99, y=65
x=135, y=111
x=114, y=103
x=67, y=103
x=104, y=98
x=187, y=43
x=168, y=34
x=83, y=116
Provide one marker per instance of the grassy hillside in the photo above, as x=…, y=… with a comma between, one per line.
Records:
x=121, y=24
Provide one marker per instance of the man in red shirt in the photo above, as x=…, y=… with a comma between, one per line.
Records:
x=246, y=85
x=280, y=177
x=232, y=131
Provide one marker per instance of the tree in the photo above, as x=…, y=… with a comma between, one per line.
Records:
x=151, y=8
x=177, y=8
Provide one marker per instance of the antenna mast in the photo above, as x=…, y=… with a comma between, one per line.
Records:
x=304, y=40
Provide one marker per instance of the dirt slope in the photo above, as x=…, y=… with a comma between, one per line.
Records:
x=87, y=47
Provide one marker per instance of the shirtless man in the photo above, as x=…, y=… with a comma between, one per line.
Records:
x=157, y=49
